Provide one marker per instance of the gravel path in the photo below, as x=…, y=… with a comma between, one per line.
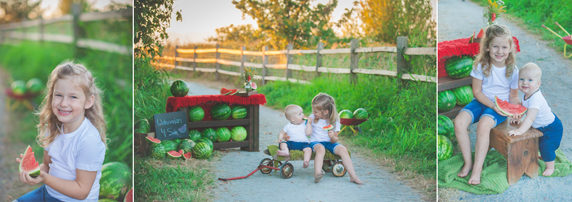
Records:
x=3, y=132
x=459, y=19
x=379, y=185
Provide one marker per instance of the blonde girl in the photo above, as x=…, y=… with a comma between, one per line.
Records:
x=71, y=130
x=324, y=113
x=494, y=75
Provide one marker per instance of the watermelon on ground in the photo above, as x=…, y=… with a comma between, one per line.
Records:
x=29, y=164
x=444, y=148
x=222, y=134
x=170, y=145
x=202, y=150
x=220, y=111
x=238, y=133
x=209, y=133
x=206, y=140
x=346, y=114
x=239, y=112
x=459, y=67
x=445, y=126
x=179, y=88
x=115, y=180
x=19, y=87
x=463, y=95
x=360, y=113
x=194, y=135
x=35, y=85
x=158, y=151
x=153, y=140
x=174, y=154
x=196, y=113
x=187, y=145
x=446, y=101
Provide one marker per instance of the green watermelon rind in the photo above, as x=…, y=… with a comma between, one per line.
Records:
x=459, y=67
x=346, y=114
x=179, y=88
x=223, y=134
x=360, y=113
x=238, y=133
x=158, y=151
x=221, y=112
x=239, y=112
x=209, y=133
x=142, y=126
x=187, y=145
x=445, y=126
x=34, y=85
x=506, y=107
x=32, y=172
x=446, y=101
x=196, y=113
x=19, y=87
x=115, y=180
x=202, y=150
x=463, y=95
x=444, y=148
x=194, y=135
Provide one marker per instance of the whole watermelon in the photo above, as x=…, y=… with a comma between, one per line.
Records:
x=445, y=126
x=463, y=95
x=238, y=133
x=222, y=134
x=220, y=112
x=209, y=133
x=196, y=113
x=179, y=88
x=239, y=112
x=194, y=135
x=202, y=150
x=142, y=126
x=209, y=142
x=35, y=85
x=360, y=113
x=446, y=101
x=19, y=87
x=170, y=145
x=158, y=151
x=187, y=145
x=115, y=180
x=444, y=148
x=459, y=67
x=346, y=114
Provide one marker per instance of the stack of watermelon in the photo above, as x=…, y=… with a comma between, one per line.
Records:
x=444, y=148
x=459, y=96
x=171, y=148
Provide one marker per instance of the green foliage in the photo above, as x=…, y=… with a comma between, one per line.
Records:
x=151, y=89
x=152, y=18
x=401, y=121
x=237, y=36
x=19, y=10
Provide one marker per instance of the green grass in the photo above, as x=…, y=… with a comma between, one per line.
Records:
x=401, y=118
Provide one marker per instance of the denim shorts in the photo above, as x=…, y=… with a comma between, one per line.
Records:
x=296, y=145
x=478, y=110
x=39, y=194
x=550, y=141
x=328, y=145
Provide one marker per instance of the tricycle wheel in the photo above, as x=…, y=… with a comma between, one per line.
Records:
x=287, y=171
x=338, y=169
x=266, y=162
x=327, y=166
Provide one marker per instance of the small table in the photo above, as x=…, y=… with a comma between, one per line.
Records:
x=521, y=152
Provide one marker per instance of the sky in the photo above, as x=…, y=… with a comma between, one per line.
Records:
x=51, y=6
x=202, y=17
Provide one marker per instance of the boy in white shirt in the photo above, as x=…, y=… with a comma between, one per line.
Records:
x=295, y=134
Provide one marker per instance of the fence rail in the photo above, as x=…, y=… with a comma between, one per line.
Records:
x=7, y=30
x=402, y=66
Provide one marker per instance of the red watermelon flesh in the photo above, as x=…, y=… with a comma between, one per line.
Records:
x=129, y=196
x=174, y=154
x=328, y=127
x=481, y=34
x=508, y=108
x=153, y=140
x=29, y=164
x=188, y=155
x=224, y=91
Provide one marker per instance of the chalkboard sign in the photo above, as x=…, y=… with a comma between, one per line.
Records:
x=171, y=125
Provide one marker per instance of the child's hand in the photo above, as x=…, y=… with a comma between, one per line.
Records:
x=25, y=176
x=515, y=132
x=514, y=121
x=333, y=136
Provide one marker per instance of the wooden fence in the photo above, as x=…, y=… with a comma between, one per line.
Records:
x=353, y=70
x=7, y=30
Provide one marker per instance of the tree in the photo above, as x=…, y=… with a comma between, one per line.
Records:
x=152, y=18
x=290, y=21
x=240, y=35
x=19, y=10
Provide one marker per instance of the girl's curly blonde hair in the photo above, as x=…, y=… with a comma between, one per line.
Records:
x=323, y=101
x=484, y=57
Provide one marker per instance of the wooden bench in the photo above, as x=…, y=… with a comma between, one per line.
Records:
x=521, y=152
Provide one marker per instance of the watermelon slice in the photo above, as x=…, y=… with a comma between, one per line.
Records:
x=224, y=91
x=174, y=154
x=188, y=155
x=129, y=196
x=253, y=86
x=29, y=164
x=508, y=108
x=328, y=127
x=481, y=34
x=153, y=140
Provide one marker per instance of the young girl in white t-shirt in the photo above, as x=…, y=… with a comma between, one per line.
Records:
x=72, y=131
x=539, y=116
x=494, y=74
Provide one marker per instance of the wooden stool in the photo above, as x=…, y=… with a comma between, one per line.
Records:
x=521, y=152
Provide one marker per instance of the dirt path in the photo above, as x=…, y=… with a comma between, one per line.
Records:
x=3, y=131
x=459, y=19
x=379, y=183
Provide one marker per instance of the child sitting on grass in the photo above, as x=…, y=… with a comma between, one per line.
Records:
x=295, y=134
x=539, y=116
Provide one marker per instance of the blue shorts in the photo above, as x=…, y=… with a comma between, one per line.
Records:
x=477, y=110
x=296, y=145
x=550, y=141
x=39, y=194
x=328, y=145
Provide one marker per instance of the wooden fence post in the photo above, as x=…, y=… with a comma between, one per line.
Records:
x=264, y=62
x=353, y=60
x=319, y=57
x=401, y=64
x=217, y=65
x=76, y=9
x=176, y=55
x=195, y=59
x=288, y=61
x=242, y=59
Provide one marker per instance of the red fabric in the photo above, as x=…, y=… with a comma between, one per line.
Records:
x=458, y=47
x=206, y=101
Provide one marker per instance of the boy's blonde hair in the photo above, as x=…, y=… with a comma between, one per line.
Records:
x=533, y=68
x=323, y=101
x=289, y=110
x=484, y=57
x=49, y=123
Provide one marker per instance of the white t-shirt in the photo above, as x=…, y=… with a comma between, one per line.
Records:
x=81, y=149
x=318, y=132
x=496, y=84
x=537, y=101
x=297, y=133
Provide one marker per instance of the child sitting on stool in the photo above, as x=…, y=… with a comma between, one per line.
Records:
x=295, y=134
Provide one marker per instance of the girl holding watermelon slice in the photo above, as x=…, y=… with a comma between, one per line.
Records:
x=494, y=75
x=72, y=131
x=539, y=116
x=324, y=113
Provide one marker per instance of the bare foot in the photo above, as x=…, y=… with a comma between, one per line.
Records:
x=475, y=178
x=318, y=177
x=465, y=170
x=306, y=164
x=283, y=153
x=356, y=180
x=549, y=169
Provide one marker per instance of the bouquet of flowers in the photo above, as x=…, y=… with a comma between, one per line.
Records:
x=249, y=85
x=496, y=7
